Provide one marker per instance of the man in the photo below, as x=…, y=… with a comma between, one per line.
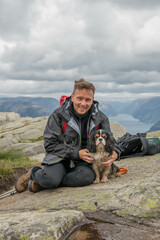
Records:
x=80, y=115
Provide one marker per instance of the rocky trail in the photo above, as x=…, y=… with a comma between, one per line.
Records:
x=127, y=207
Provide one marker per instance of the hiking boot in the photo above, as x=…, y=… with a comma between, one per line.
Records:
x=34, y=187
x=22, y=182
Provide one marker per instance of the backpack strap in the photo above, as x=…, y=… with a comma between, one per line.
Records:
x=64, y=127
x=63, y=99
x=97, y=127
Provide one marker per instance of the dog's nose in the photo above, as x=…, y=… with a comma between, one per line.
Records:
x=100, y=139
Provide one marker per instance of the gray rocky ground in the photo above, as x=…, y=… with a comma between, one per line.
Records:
x=127, y=207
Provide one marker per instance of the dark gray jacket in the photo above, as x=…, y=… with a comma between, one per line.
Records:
x=65, y=146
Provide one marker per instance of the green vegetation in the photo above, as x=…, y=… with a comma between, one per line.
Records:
x=41, y=138
x=37, y=139
x=11, y=159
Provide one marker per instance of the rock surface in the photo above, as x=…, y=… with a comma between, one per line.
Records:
x=37, y=224
x=26, y=133
x=50, y=214
x=8, y=117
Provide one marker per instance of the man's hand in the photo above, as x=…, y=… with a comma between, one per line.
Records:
x=85, y=155
x=109, y=160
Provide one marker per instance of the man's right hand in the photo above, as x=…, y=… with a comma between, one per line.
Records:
x=85, y=155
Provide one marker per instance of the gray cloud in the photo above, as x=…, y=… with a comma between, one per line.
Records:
x=45, y=46
x=137, y=4
x=15, y=19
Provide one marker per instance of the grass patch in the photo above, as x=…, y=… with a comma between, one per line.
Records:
x=32, y=140
x=37, y=139
x=11, y=160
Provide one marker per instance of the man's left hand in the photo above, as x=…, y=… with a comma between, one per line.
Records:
x=109, y=160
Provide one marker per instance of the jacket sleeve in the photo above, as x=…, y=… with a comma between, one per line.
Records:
x=54, y=140
x=106, y=125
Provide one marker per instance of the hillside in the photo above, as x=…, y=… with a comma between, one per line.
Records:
x=155, y=127
x=107, y=108
x=29, y=107
x=146, y=110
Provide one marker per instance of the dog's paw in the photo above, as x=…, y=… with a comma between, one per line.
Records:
x=117, y=174
x=96, y=180
x=104, y=180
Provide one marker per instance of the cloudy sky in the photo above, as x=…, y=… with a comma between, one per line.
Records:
x=45, y=45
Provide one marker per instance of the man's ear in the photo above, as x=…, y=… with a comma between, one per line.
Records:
x=72, y=97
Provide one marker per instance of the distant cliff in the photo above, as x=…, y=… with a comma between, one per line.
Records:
x=29, y=107
x=146, y=110
x=155, y=127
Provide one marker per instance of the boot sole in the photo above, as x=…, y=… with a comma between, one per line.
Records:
x=19, y=179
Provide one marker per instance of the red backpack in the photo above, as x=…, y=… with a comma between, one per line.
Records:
x=63, y=99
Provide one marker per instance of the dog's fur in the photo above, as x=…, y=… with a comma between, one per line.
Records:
x=101, y=146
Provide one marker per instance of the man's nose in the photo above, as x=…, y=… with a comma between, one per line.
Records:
x=83, y=102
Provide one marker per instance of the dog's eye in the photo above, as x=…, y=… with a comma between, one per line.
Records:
x=103, y=135
x=97, y=135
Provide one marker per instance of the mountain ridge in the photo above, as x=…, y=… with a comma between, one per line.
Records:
x=146, y=110
x=29, y=107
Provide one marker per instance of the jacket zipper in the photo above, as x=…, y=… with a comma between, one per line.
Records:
x=80, y=133
x=88, y=124
x=79, y=125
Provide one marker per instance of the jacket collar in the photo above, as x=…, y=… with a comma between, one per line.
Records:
x=66, y=109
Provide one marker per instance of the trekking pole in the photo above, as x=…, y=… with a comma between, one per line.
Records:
x=6, y=194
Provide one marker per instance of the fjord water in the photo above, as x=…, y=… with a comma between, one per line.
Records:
x=131, y=124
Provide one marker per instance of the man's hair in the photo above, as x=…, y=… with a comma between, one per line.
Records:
x=81, y=84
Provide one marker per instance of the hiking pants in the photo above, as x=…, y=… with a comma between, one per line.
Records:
x=61, y=175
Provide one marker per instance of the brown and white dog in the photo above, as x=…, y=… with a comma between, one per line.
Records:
x=101, y=146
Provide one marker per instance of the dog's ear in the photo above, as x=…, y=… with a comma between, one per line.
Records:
x=109, y=147
x=92, y=145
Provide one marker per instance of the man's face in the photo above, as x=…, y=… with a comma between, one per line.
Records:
x=82, y=100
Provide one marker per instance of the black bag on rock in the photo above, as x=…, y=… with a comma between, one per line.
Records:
x=138, y=145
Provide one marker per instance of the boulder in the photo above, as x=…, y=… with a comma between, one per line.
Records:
x=25, y=134
x=38, y=224
x=8, y=117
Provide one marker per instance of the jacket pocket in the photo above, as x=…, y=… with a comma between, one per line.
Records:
x=70, y=140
